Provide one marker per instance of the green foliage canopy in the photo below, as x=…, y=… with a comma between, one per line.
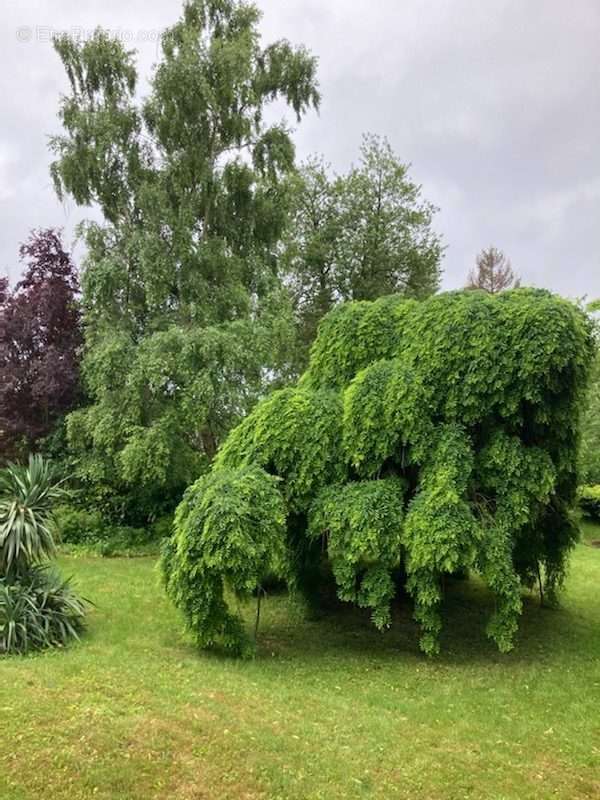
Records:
x=358, y=236
x=438, y=435
x=185, y=317
x=230, y=535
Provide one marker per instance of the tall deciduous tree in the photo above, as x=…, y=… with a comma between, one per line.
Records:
x=40, y=339
x=185, y=317
x=493, y=272
x=360, y=235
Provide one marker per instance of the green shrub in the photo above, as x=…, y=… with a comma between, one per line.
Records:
x=229, y=536
x=469, y=402
x=589, y=501
x=122, y=540
x=87, y=530
x=38, y=610
x=77, y=526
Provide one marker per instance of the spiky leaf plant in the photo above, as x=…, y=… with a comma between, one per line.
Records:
x=38, y=609
x=27, y=497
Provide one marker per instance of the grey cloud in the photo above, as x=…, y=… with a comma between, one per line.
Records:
x=495, y=104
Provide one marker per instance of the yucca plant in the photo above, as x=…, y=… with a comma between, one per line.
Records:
x=40, y=610
x=28, y=495
x=37, y=608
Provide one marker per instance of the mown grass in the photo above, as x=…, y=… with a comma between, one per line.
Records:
x=328, y=709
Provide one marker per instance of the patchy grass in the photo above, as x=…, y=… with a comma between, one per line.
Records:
x=329, y=709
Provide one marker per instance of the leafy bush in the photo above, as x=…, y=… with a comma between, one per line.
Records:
x=77, y=526
x=88, y=530
x=441, y=434
x=122, y=540
x=39, y=610
x=229, y=536
x=589, y=501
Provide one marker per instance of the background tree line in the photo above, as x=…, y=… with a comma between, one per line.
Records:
x=216, y=256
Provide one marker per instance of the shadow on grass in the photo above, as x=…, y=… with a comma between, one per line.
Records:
x=121, y=591
x=343, y=631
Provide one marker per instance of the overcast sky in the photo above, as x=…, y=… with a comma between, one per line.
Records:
x=496, y=105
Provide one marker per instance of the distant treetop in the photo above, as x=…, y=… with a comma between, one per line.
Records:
x=493, y=272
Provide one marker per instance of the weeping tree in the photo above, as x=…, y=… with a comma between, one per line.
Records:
x=424, y=439
x=185, y=318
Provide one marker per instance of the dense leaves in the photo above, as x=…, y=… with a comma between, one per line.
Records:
x=358, y=236
x=441, y=532
x=439, y=434
x=27, y=497
x=161, y=408
x=40, y=339
x=590, y=439
x=362, y=526
x=186, y=321
x=88, y=531
x=589, y=500
x=295, y=433
x=229, y=537
x=41, y=610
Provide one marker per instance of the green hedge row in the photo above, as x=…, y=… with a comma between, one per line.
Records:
x=89, y=530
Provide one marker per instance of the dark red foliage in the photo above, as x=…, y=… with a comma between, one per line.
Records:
x=40, y=343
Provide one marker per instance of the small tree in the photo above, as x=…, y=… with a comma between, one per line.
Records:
x=493, y=272
x=40, y=339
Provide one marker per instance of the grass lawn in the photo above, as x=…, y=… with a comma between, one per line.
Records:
x=328, y=709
